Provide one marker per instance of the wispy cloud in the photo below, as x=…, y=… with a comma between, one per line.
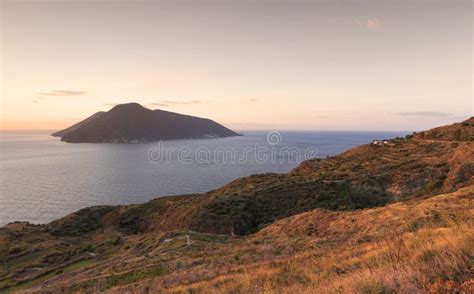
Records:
x=159, y=104
x=373, y=23
x=168, y=103
x=320, y=116
x=253, y=100
x=62, y=93
x=183, y=102
x=424, y=114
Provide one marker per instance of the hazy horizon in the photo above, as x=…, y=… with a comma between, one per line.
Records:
x=263, y=129
x=350, y=65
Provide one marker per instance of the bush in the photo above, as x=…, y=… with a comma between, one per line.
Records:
x=15, y=250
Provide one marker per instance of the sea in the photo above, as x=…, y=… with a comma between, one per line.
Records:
x=43, y=179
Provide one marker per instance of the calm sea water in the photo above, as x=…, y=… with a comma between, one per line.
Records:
x=43, y=179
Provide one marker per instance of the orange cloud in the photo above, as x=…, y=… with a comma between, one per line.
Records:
x=373, y=23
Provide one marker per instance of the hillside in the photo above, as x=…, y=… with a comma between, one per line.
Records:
x=134, y=123
x=456, y=132
x=74, y=127
x=396, y=216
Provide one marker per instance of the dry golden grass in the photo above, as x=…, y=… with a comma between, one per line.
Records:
x=423, y=246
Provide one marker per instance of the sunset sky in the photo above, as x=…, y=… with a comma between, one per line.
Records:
x=312, y=65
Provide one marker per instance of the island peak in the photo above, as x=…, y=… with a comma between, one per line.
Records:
x=131, y=122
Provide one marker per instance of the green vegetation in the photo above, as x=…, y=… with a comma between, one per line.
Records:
x=135, y=276
x=82, y=222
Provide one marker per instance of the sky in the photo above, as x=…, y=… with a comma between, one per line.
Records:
x=302, y=65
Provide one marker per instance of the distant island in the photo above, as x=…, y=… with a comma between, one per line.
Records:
x=133, y=123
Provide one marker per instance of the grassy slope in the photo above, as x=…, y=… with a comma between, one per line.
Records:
x=406, y=247
x=322, y=241
x=419, y=245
